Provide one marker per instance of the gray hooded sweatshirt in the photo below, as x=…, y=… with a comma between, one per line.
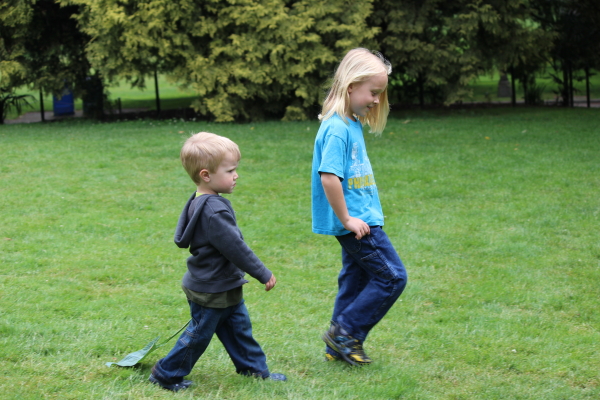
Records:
x=220, y=257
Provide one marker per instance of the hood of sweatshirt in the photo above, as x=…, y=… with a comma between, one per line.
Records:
x=186, y=226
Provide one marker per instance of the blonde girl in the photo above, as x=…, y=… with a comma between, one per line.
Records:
x=345, y=204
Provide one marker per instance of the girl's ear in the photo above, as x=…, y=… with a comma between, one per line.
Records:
x=350, y=87
x=205, y=175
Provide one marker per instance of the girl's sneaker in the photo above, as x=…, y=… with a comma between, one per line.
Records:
x=350, y=349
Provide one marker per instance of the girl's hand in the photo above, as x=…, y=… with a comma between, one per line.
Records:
x=357, y=226
x=271, y=284
x=335, y=195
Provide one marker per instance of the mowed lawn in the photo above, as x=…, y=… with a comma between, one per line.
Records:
x=494, y=212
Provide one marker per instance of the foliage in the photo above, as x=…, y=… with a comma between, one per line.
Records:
x=439, y=47
x=41, y=47
x=533, y=93
x=132, y=40
x=245, y=59
x=15, y=16
x=8, y=100
x=576, y=45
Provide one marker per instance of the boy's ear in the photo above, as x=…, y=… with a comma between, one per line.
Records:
x=205, y=175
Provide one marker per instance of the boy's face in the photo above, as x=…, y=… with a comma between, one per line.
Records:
x=222, y=180
x=365, y=95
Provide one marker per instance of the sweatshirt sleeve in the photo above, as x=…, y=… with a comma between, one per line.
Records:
x=225, y=236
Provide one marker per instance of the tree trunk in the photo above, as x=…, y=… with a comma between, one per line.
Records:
x=421, y=84
x=157, y=95
x=571, y=88
x=565, y=86
x=525, y=83
x=587, y=86
x=513, y=96
x=42, y=112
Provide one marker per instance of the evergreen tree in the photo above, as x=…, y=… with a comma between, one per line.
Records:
x=576, y=45
x=439, y=47
x=14, y=19
x=15, y=16
x=246, y=59
x=41, y=47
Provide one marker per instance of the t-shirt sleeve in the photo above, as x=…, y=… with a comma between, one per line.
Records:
x=333, y=156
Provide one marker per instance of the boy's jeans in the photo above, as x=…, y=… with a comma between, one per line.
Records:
x=233, y=328
x=371, y=280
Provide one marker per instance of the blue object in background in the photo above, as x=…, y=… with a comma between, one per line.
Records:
x=64, y=105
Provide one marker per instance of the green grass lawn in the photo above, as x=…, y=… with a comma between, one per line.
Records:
x=494, y=212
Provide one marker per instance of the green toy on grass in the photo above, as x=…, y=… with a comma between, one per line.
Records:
x=132, y=359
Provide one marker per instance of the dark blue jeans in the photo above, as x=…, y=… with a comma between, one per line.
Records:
x=371, y=280
x=233, y=328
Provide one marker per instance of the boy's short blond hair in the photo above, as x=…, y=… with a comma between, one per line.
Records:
x=206, y=150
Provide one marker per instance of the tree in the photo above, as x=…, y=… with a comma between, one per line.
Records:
x=513, y=43
x=55, y=48
x=576, y=45
x=14, y=19
x=246, y=59
x=134, y=40
x=272, y=57
x=439, y=47
x=41, y=47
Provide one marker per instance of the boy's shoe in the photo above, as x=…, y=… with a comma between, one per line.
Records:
x=331, y=357
x=271, y=377
x=346, y=346
x=174, y=387
x=277, y=377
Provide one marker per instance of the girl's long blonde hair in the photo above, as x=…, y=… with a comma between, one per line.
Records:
x=356, y=67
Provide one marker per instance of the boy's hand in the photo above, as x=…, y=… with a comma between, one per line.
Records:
x=271, y=284
x=358, y=226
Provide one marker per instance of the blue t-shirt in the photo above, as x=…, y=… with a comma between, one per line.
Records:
x=340, y=150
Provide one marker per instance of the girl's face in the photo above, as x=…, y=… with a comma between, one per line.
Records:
x=365, y=95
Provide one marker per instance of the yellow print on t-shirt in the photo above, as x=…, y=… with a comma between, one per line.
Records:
x=360, y=182
x=361, y=172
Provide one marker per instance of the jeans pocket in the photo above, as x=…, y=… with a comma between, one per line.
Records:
x=378, y=265
x=369, y=252
x=372, y=257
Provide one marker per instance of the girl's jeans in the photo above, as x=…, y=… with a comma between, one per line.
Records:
x=371, y=280
x=233, y=328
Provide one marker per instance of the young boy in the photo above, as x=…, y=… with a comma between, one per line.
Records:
x=215, y=275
